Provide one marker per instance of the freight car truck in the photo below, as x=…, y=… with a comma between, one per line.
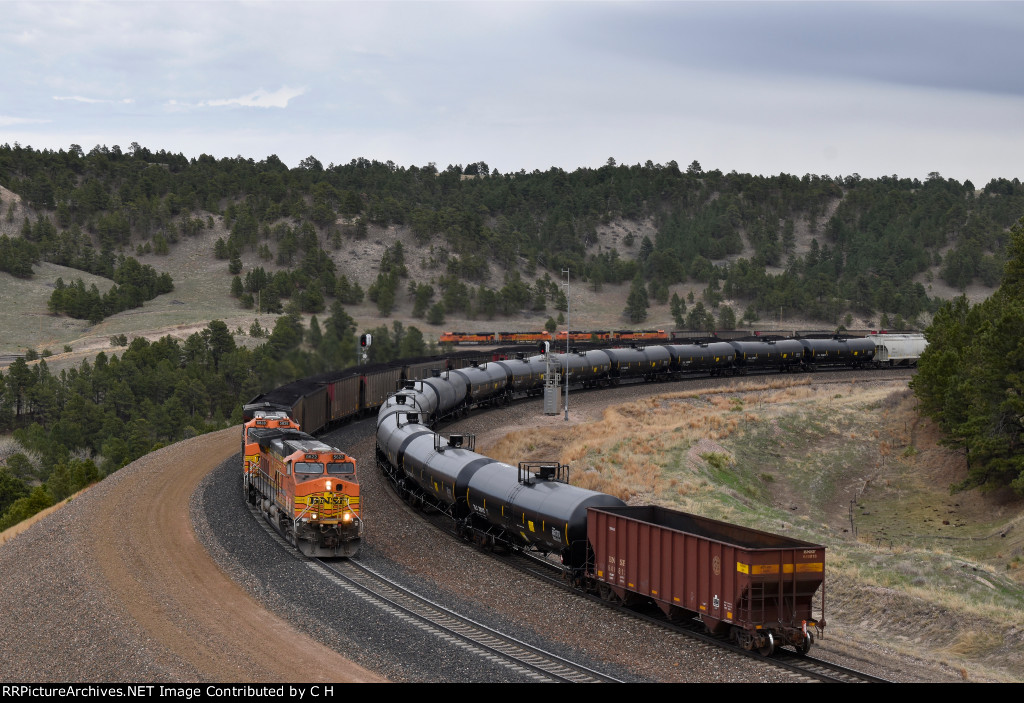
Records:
x=755, y=587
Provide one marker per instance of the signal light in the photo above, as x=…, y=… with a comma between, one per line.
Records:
x=365, y=340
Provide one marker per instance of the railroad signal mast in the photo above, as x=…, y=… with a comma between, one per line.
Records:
x=364, y=345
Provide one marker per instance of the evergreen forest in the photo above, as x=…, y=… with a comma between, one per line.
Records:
x=971, y=378
x=873, y=242
x=734, y=233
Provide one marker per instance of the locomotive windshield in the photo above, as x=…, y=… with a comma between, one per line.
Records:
x=305, y=470
x=344, y=467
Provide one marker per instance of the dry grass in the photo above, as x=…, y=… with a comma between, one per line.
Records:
x=792, y=456
x=631, y=451
x=202, y=286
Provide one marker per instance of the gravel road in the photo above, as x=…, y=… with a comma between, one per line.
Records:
x=116, y=586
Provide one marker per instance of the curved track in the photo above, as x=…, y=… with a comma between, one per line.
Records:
x=117, y=587
x=534, y=663
x=547, y=571
x=808, y=666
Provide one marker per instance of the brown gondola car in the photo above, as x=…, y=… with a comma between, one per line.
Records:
x=327, y=398
x=420, y=367
x=291, y=397
x=315, y=405
x=377, y=382
x=343, y=397
x=756, y=587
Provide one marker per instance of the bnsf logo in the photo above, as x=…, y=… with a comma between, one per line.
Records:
x=327, y=500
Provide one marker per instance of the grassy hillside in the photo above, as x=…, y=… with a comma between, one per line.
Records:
x=781, y=251
x=934, y=575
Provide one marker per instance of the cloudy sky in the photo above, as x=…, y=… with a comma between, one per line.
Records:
x=758, y=87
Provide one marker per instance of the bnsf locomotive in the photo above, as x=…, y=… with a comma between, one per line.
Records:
x=304, y=488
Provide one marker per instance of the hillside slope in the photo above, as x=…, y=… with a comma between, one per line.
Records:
x=203, y=284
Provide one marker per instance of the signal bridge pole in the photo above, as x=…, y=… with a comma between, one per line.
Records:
x=552, y=379
x=568, y=334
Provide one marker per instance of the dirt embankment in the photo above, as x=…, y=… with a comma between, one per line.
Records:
x=117, y=587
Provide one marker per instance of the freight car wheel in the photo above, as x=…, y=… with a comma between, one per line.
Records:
x=606, y=593
x=768, y=649
x=805, y=646
x=677, y=614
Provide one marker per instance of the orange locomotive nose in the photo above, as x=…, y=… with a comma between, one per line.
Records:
x=306, y=489
x=329, y=498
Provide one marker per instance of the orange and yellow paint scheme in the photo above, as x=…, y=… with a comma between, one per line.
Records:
x=467, y=338
x=583, y=337
x=262, y=419
x=306, y=489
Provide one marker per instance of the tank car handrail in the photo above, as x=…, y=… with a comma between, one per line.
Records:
x=454, y=441
x=549, y=471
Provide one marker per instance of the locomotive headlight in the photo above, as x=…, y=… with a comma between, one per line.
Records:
x=313, y=516
x=347, y=517
x=328, y=484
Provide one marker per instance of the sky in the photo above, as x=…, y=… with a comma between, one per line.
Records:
x=829, y=88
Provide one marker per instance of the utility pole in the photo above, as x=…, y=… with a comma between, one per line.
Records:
x=568, y=334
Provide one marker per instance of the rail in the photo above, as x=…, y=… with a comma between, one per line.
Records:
x=530, y=661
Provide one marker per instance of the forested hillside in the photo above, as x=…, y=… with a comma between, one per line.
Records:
x=971, y=378
x=74, y=427
x=874, y=243
x=822, y=247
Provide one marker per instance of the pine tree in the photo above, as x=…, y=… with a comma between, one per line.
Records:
x=971, y=377
x=637, y=301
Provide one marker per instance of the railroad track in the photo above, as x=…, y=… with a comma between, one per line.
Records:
x=806, y=666
x=457, y=630
x=546, y=571
x=811, y=667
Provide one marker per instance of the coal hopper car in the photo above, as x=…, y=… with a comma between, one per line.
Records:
x=755, y=587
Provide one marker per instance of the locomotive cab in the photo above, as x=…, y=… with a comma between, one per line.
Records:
x=325, y=508
x=261, y=419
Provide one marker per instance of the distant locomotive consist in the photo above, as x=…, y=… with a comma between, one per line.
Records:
x=575, y=336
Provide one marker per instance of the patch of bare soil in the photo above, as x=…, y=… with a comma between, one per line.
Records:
x=12, y=213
